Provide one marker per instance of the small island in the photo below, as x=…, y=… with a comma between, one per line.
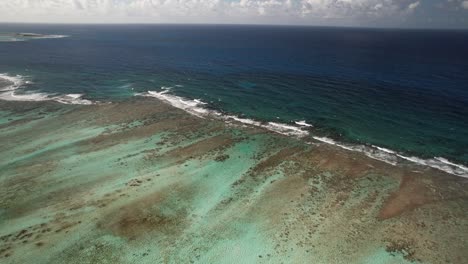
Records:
x=30, y=35
x=12, y=37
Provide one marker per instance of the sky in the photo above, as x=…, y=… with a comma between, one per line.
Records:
x=365, y=13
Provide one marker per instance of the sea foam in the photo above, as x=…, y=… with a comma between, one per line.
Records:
x=15, y=81
x=303, y=123
x=9, y=93
x=394, y=158
x=301, y=129
x=196, y=107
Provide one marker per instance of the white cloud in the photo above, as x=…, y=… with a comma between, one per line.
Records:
x=464, y=4
x=201, y=11
x=413, y=6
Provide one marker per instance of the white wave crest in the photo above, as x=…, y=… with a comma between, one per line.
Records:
x=303, y=123
x=9, y=93
x=72, y=99
x=15, y=81
x=394, y=158
x=37, y=97
x=286, y=129
x=12, y=96
x=196, y=107
x=440, y=164
x=371, y=152
x=190, y=106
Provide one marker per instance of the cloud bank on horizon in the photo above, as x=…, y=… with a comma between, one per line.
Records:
x=406, y=13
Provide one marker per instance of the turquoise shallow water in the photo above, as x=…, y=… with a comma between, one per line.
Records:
x=139, y=181
x=401, y=90
x=95, y=170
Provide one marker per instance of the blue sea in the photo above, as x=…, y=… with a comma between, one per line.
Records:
x=392, y=94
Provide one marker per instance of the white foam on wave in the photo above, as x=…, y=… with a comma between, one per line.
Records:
x=37, y=97
x=286, y=129
x=384, y=149
x=72, y=99
x=198, y=101
x=303, y=123
x=229, y=118
x=371, y=152
x=394, y=158
x=196, y=107
x=443, y=160
x=16, y=81
x=190, y=106
x=440, y=164
x=12, y=96
x=9, y=93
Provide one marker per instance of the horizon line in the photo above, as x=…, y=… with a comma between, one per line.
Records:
x=235, y=24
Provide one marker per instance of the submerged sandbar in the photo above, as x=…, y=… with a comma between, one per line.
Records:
x=142, y=182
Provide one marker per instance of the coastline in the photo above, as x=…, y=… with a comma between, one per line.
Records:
x=141, y=181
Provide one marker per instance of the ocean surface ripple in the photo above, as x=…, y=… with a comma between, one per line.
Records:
x=400, y=96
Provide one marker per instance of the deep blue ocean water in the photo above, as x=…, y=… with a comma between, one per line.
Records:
x=405, y=90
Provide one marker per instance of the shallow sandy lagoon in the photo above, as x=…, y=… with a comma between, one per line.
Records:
x=142, y=182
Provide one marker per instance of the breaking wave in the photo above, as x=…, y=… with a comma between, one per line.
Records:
x=9, y=92
x=14, y=83
x=302, y=129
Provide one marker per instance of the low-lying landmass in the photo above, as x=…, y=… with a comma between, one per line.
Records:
x=142, y=182
x=8, y=37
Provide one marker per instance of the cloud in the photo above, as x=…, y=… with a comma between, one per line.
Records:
x=464, y=4
x=204, y=11
x=413, y=6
